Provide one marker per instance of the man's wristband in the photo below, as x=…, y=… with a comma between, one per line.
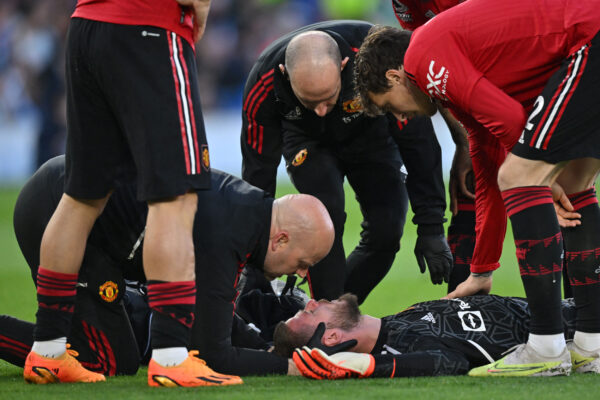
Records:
x=482, y=274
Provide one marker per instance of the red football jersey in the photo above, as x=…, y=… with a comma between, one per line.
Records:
x=487, y=61
x=166, y=14
x=413, y=13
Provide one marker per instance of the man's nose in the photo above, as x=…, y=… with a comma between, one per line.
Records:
x=301, y=272
x=321, y=109
x=311, y=305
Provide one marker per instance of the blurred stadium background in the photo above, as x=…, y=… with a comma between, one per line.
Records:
x=32, y=98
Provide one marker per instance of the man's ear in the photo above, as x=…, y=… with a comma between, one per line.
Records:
x=395, y=76
x=280, y=239
x=344, y=62
x=331, y=337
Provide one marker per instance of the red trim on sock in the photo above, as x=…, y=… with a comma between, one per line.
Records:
x=521, y=198
x=583, y=198
x=171, y=293
x=55, y=284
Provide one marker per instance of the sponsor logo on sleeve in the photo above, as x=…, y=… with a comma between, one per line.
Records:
x=437, y=81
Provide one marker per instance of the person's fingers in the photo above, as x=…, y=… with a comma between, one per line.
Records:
x=566, y=219
x=421, y=262
x=453, y=196
x=464, y=186
x=565, y=202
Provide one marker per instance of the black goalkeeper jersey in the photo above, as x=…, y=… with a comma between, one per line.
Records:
x=449, y=337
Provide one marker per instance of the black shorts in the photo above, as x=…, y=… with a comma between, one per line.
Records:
x=564, y=123
x=132, y=106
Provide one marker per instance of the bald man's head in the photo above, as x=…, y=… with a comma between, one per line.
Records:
x=313, y=63
x=301, y=235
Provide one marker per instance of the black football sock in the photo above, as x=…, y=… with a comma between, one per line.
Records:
x=172, y=305
x=461, y=239
x=16, y=338
x=583, y=260
x=539, y=246
x=56, y=302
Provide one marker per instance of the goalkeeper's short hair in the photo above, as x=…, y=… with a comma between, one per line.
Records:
x=285, y=340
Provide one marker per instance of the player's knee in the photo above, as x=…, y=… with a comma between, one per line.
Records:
x=382, y=236
x=182, y=207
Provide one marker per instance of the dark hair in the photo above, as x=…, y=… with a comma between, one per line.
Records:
x=346, y=316
x=383, y=49
x=286, y=340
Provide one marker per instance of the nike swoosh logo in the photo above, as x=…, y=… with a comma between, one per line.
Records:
x=502, y=368
x=580, y=362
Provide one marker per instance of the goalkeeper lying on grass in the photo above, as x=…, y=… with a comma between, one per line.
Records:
x=439, y=337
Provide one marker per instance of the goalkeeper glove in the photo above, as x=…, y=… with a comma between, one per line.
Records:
x=316, y=364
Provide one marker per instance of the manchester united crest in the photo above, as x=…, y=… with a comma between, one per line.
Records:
x=109, y=291
x=300, y=157
x=352, y=106
x=205, y=158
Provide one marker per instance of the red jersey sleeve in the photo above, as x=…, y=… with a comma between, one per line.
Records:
x=499, y=113
x=408, y=14
x=437, y=65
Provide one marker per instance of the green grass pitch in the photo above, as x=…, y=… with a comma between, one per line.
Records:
x=403, y=286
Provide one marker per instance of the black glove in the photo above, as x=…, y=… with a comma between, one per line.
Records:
x=315, y=342
x=434, y=249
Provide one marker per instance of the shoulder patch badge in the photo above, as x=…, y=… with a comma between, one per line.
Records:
x=352, y=106
x=109, y=291
x=205, y=158
x=300, y=157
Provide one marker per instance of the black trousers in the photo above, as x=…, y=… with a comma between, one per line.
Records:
x=378, y=183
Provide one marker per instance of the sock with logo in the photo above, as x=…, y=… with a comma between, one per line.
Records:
x=461, y=239
x=539, y=246
x=172, y=305
x=56, y=302
x=582, y=258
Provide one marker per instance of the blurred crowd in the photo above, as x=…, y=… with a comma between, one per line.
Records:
x=32, y=34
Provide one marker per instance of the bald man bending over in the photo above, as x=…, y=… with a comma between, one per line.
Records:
x=299, y=102
x=237, y=226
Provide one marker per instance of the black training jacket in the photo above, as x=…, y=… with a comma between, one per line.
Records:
x=271, y=111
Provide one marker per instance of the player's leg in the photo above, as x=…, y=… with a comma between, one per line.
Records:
x=154, y=91
x=315, y=171
x=528, y=198
x=16, y=338
x=381, y=192
x=461, y=239
x=582, y=259
x=561, y=127
x=94, y=147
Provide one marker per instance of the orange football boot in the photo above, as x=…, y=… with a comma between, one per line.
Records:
x=192, y=372
x=64, y=369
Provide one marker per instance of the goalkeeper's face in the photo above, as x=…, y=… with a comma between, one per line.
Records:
x=342, y=313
